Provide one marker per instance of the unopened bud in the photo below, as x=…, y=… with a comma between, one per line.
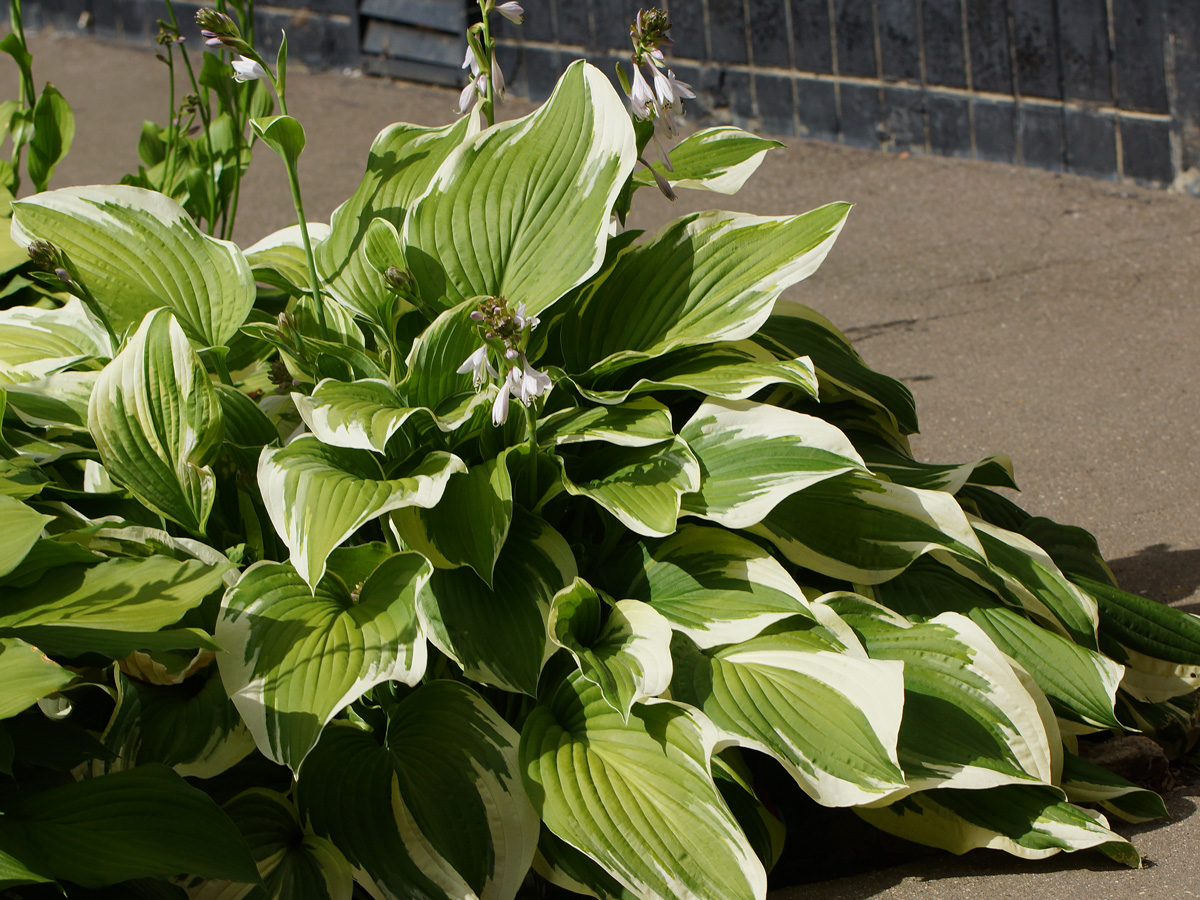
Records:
x=45, y=254
x=476, y=316
x=400, y=280
x=511, y=353
x=63, y=275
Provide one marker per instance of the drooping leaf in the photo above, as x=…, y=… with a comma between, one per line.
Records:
x=22, y=526
x=32, y=338
x=53, y=132
x=279, y=260
x=295, y=657
x=136, y=250
x=318, y=495
x=627, y=654
x=498, y=635
x=434, y=807
x=713, y=159
x=156, y=419
x=27, y=675
x=1086, y=782
x=283, y=134
x=522, y=209
x=639, y=423
x=603, y=785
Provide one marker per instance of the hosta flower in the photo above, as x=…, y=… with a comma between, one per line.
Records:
x=479, y=366
x=640, y=95
x=668, y=88
x=247, y=70
x=500, y=405
x=512, y=11
x=530, y=383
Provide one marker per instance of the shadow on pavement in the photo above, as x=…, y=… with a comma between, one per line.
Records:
x=1163, y=574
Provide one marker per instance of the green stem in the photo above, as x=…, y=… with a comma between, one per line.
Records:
x=489, y=48
x=14, y=16
x=314, y=280
x=531, y=431
x=222, y=369
x=172, y=127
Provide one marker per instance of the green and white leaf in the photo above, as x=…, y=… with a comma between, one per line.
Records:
x=499, y=634
x=318, y=495
x=713, y=159
x=39, y=341
x=136, y=250
x=157, y=422
x=1086, y=782
x=859, y=529
x=279, y=260
x=58, y=401
x=830, y=717
x=639, y=423
x=603, y=785
x=296, y=657
x=1031, y=822
x=27, y=675
x=752, y=456
x=712, y=585
x=642, y=486
x=521, y=210
x=628, y=655
x=714, y=277
x=436, y=810
x=995, y=470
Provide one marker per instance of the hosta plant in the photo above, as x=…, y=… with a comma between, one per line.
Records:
x=515, y=549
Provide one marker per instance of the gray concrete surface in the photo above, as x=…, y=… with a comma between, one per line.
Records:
x=1051, y=317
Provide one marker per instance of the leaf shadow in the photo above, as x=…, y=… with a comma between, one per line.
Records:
x=1160, y=572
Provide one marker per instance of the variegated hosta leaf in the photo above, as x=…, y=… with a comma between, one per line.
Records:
x=522, y=209
x=318, y=495
x=470, y=524
x=402, y=161
x=642, y=486
x=969, y=722
x=22, y=526
x=27, y=675
x=1086, y=782
x=1080, y=683
x=639, y=423
x=112, y=608
x=859, y=529
x=498, y=634
x=135, y=250
x=1159, y=645
x=995, y=470
x=628, y=655
x=753, y=455
x=433, y=808
x=156, y=419
x=292, y=861
x=831, y=717
x=39, y=341
x=799, y=331
x=712, y=585
x=295, y=657
x=565, y=867
x=1028, y=821
x=637, y=797
x=1033, y=578
x=197, y=732
x=58, y=401
x=279, y=260
x=714, y=159
x=761, y=825
x=736, y=370
x=705, y=278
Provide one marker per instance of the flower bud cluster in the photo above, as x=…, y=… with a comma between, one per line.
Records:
x=505, y=332
x=219, y=30
x=49, y=258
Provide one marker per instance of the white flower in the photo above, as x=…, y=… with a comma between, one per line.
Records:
x=479, y=366
x=512, y=11
x=500, y=405
x=640, y=95
x=247, y=70
x=470, y=61
x=497, y=78
x=530, y=383
x=668, y=88
x=475, y=88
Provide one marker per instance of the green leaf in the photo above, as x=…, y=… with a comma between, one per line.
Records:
x=294, y=863
x=317, y=495
x=401, y=163
x=713, y=276
x=283, y=134
x=712, y=585
x=995, y=470
x=146, y=822
x=637, y=797
x=197, y=732
x=27, y=675
x=1027, y=821
x=565, y=867
x=23, y=526
x=753, y=455
x=296, y=657
x=279, y=260
x=522, y=209
x=498, y=635
x=362, y=415
x=639, y=423
x=136, y=250
x=53, y=131
x=642, y=486
x=866, y=531
x=628, y=655
x=470, y=524
x=58, y=401
x=39, y=341
x=438, y=810
x=713, y=159
x=828, y=715
x=1086, y=782
x=157, y=422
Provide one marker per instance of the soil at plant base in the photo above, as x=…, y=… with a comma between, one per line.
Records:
x=1048, y=316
